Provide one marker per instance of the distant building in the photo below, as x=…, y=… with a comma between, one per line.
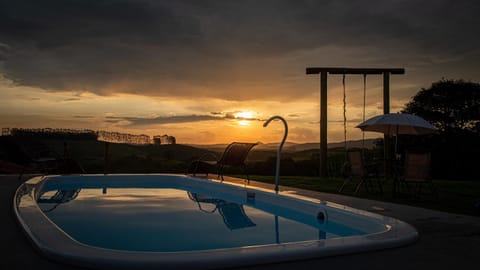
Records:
x=164, y=139
x=6, y=132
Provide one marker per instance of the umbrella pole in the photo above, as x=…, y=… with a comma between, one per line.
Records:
x=387, y=154
x=396, y=143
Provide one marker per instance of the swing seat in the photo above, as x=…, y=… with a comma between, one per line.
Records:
x=367, y=175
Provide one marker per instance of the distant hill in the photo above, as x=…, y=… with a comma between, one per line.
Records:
x=292, y=147
x=170, y=158
x=369, y=144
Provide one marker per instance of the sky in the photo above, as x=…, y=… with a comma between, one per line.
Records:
x=211, y=72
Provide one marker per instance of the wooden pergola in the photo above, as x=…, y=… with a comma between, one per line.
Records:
x=324, y=71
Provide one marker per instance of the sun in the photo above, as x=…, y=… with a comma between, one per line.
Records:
x=244, y=114
x=244, y=117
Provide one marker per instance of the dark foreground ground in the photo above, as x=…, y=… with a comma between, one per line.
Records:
x=447, y=241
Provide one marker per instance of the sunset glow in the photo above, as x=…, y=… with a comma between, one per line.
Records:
x=179, y=70
x=244, y=117
x=244, y=122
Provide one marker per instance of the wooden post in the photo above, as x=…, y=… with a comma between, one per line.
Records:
x=323, y=124
x=386, y=92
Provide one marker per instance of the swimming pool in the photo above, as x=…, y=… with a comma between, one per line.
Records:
x=175, y=221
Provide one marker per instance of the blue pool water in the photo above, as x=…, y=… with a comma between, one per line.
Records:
x=167, y=219
x=174, y=221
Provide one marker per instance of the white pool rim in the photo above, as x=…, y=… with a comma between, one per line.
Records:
x=55, y=244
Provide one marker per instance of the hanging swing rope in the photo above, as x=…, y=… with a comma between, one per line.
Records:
x=344, y=114
x=364, y=104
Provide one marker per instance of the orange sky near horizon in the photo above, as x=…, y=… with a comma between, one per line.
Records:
x=190, y=120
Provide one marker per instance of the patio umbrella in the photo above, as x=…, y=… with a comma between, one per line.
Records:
x=397, y=124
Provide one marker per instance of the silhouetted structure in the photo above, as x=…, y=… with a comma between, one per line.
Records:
x=417, y=173
x=357, y=168
x=87, y=134
x=324, y=71
x=51, y=133
x=164, y=139
x=234, y=155
x=116, y=137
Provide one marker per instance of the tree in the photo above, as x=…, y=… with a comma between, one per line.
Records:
x=452, y=106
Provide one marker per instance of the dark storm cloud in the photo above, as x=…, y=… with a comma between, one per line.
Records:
x=205, y=48
x=138, y=121
x=71, y=99
x=87, y=44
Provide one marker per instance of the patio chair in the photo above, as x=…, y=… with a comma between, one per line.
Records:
x=416, y=173
x=233, y=156
x=40, y=158
x=357, y=169
x=233, y=214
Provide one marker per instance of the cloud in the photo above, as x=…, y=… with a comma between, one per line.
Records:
x=160, y=120
x=238, y=115
x=72, y=99
x=236, y=50
x=4, y=49
x=139, y=121
x=83, y=117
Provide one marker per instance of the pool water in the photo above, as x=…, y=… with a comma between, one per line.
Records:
x=166, y=219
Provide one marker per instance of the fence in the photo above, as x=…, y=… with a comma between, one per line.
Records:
x=116, y=137
x=106, y=136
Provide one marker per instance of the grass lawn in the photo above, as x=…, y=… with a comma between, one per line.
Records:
x=453, y=196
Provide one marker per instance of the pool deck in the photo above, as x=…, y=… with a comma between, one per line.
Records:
x=447, y=241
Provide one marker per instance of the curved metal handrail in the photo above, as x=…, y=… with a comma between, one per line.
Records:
x=279, y=150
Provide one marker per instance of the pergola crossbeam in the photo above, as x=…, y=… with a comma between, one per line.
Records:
x=359, y=71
